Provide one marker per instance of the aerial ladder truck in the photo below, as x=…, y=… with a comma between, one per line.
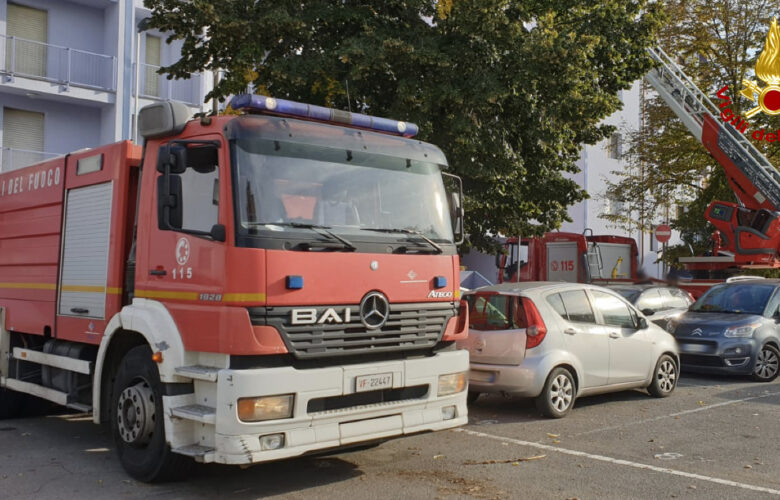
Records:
x=747, y=231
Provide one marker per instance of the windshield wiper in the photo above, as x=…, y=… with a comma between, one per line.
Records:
x=322, y=230
x=429, y=241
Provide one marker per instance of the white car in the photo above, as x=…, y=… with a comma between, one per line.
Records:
x=558, y=341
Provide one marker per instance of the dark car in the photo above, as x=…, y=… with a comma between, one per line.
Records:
x=658, y=303
x=733, y=328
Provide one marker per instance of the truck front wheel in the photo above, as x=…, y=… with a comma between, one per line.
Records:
x=138, y=422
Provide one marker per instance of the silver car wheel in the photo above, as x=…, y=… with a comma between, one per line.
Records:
x=666, y=375
x=561, y=393
x=767, y=363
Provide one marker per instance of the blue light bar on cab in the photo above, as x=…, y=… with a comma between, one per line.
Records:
x=259, y=103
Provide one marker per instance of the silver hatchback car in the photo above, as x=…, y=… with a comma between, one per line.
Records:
x=558, y=341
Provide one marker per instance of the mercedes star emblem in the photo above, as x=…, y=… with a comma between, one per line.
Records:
x=374, y=310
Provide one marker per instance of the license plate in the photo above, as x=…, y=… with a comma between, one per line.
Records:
x=373, y=382
x=694, y=348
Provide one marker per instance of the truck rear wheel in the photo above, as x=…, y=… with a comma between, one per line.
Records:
x=138, y=422
x=12, y=403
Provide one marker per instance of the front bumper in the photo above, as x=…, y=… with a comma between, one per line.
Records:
x=232, y=441
x=734, y=356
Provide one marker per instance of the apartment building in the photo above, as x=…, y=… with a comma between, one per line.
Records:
x=73, y=73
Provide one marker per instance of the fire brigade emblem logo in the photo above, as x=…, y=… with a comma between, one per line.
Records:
x=182, y=251
x=412, y=275
x=767, y=99
x=374, y=310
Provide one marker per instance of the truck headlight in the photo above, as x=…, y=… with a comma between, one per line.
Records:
x=265, y=408
x=741, y=331
x=451, y=383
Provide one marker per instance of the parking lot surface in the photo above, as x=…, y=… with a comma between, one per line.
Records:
x=713, y=438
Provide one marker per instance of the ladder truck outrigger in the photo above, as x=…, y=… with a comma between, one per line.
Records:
x=747, y=232
x=239, y=290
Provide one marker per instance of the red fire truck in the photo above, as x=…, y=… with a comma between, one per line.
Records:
x=241, y=289
x=573, y=257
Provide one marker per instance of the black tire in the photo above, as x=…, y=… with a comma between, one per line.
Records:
x=557, y=397
x=148, y=458
x=472, y=397
x=767, y=364
x=665, y=376
x=12, y=404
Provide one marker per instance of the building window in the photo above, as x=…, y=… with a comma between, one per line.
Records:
x=612, y=206
x=25, y=53
x=615, y=146
x=22, y=138
x=152, y=62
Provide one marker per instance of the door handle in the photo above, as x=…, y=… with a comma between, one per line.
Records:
x=614, y=335
x=158, y=272
x=79, y=310
x=570, y=331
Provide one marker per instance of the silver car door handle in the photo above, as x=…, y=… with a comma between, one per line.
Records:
x=570, y=331
x=614, y=335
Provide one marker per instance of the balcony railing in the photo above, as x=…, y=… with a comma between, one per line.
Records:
x=12, y=159
x=153, y=85
x=53, y=63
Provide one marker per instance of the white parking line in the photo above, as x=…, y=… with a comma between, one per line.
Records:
x=679, y=413
x=627, y=463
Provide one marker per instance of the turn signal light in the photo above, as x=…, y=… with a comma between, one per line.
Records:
x=452, y=383
x=265, y=408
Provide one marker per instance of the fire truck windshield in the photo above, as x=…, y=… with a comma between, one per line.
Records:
x=285, y=187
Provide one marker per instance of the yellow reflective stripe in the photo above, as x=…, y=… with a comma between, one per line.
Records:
x=166, y=294
x=112, y=290
x=243, y=297
x=457, y=294
x=30, y=286
x=226, y=297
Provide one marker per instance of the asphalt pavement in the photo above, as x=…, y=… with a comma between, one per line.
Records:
x=713, y=438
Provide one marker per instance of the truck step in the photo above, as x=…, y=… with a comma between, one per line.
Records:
x=198, y=452
x=200, y=372
x=198, y=413
x=80, y=407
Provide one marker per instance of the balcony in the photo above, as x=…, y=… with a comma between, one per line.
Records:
x=61, y=65
x=155, y=86
x=13, y=159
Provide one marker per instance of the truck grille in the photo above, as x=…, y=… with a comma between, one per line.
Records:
x=408, y=326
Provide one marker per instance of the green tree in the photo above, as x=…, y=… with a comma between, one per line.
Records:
x=510, y=90
x=716, y=43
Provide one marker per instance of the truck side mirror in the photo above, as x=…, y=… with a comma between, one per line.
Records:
x=169, y=202
x=457, y=214
x=172, y=156
x=500, y=262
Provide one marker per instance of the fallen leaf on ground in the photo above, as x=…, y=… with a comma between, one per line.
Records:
x=436, y=457
x=550, y=435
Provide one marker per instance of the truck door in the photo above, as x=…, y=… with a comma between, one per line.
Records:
x=182, y=265
x=562, y=261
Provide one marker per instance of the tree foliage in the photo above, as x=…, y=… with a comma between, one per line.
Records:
x=509, y=89
x=716, y=43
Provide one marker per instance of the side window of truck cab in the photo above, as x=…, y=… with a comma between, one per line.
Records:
x=193, y=200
